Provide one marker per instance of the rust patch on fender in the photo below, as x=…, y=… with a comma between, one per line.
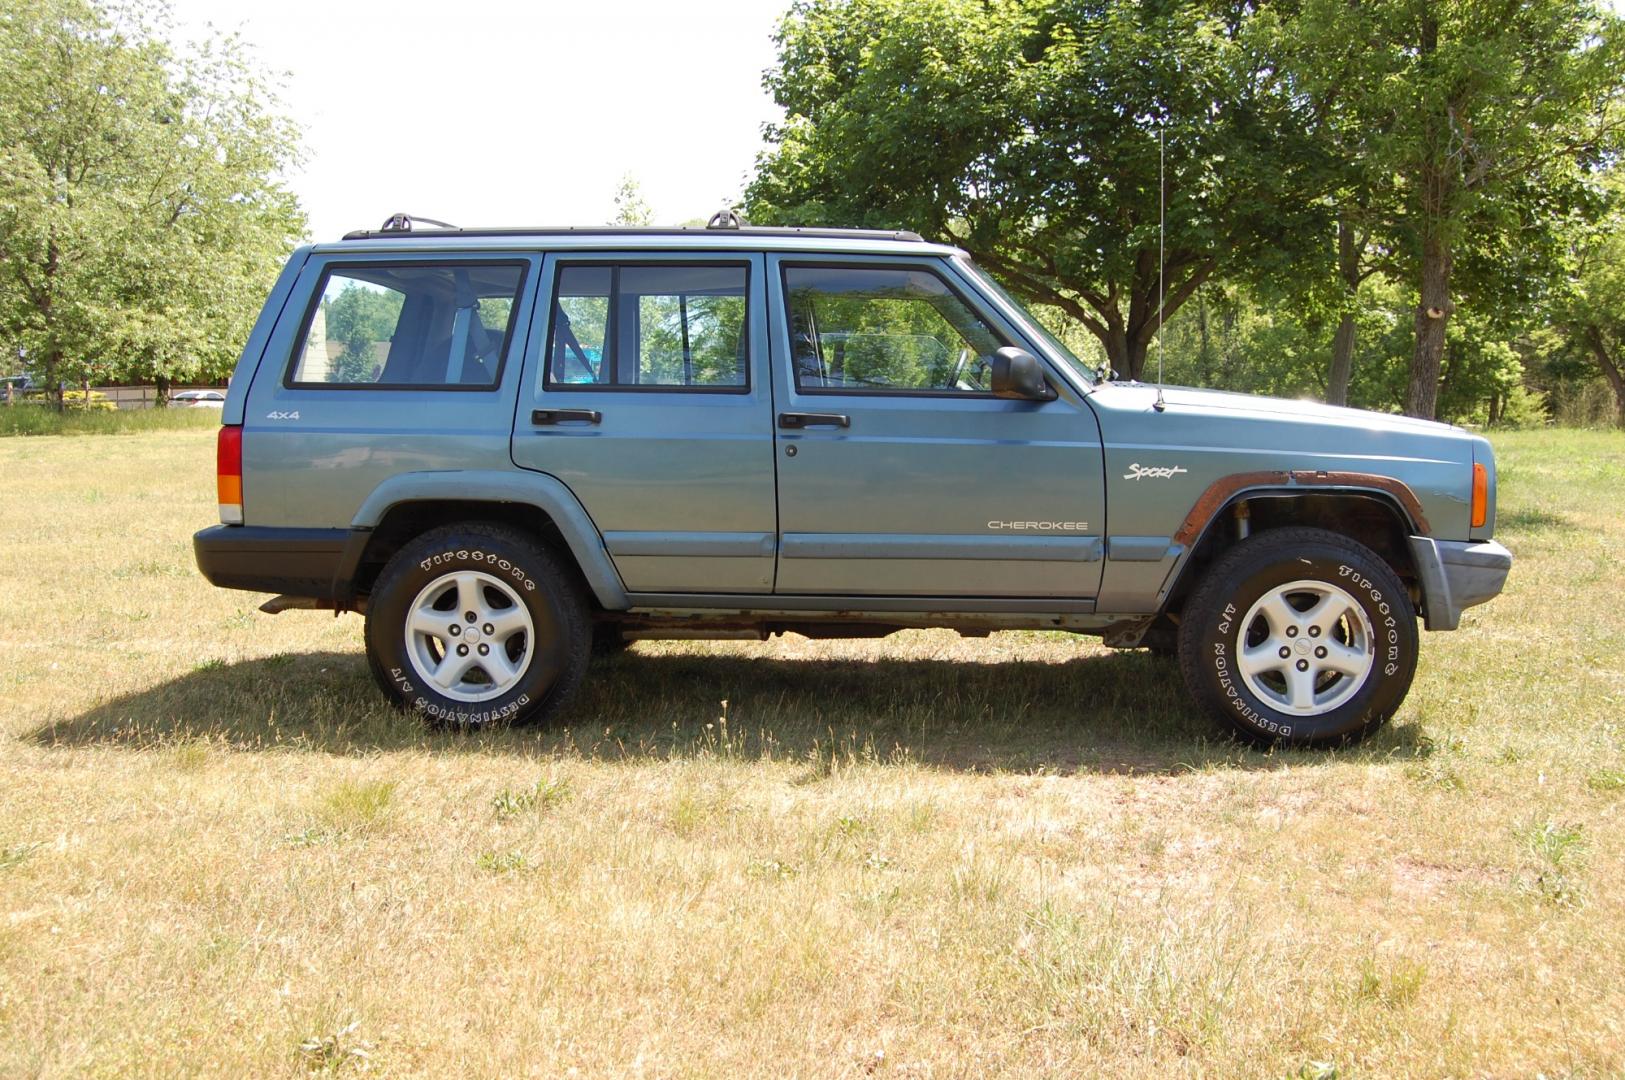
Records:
x=1217, y=494
x=1397, y=488
x=1221, y=490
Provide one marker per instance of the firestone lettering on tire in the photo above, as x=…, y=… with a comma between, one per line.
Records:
x=483, y=559
x=1390, y=626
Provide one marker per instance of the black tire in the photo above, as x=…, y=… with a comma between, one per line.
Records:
x=551, y=597
x=1211, y=636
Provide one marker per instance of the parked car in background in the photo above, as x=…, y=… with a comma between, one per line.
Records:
x=197, y=399
x=559, y=440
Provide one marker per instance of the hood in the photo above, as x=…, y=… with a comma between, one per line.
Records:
x=1141, y=395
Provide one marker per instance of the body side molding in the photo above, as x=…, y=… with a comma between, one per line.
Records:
x=691, y=544
x=1044, y=548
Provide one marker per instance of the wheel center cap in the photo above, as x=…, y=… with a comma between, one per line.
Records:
x=1302, y=645
x=472, y=635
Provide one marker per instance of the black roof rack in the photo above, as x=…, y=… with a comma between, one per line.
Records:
x=641, y=230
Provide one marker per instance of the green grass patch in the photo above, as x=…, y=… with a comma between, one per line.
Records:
x=35, y=419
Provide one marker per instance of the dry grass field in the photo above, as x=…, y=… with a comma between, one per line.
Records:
x=221, y=854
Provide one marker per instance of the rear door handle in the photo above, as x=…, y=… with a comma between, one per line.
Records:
x=813, y=419
x=543, y=417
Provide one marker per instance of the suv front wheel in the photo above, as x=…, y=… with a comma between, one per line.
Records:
x=474, y=624
x=1299, y=636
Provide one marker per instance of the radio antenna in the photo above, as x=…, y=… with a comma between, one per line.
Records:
x=1162, y=241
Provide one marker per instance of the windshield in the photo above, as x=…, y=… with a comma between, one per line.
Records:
x=1057, y=346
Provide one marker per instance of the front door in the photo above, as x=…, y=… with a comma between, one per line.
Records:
x=899, y=472
x=647, y=394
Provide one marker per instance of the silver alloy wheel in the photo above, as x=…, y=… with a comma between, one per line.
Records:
x=1305, y=647
x=469, y=635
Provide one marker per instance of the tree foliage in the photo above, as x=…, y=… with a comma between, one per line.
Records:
x=631, y=208
x=1451, y=146
x=1467, y=136
x=142, y=218
x=1029, y=133
x=1592, y=313
x=360, y=317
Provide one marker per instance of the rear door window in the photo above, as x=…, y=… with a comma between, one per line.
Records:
x=409, y=326
x=649, y=326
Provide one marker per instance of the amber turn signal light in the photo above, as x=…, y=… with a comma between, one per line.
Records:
x=1481, y=495
x=228, y=474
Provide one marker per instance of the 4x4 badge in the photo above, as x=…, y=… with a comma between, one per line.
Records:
x=1155, y=472
x=283, y=415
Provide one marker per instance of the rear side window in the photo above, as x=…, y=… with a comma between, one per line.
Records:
x=649, y=326
x=415, y=325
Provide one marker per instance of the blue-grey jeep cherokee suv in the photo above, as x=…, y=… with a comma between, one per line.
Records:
x=511, y=447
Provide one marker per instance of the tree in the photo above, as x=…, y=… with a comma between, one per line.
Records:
x=630, y=207
x=1028, y=133
x=1592, y=312
x=1479, y=125
x=360, y=316
x=141, y=215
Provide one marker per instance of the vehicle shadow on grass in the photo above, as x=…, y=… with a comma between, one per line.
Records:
x=1115, y=713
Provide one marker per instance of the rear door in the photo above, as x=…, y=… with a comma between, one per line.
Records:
x=647, y=393
x=900, y=473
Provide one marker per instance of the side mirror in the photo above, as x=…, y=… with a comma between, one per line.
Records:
x=1018, y=374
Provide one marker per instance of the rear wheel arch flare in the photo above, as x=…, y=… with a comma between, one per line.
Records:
x=405, y=521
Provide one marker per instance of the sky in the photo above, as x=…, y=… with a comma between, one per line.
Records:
x=511, y=113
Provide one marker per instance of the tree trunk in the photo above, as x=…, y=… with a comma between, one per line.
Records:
x=1206, y=362
x=1610, y=370
x=161, y=383
x=1434, y=187
x=1349, y=250
x=1337, y=384
x=1422, y=393
x=53, y=382
x=1134, y=358
x=1116, y=342
x=53, y=358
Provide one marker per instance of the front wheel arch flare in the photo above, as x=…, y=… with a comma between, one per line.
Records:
x=1314, y=507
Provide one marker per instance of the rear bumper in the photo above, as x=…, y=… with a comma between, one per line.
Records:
x=315, y=563
x=1458, y=575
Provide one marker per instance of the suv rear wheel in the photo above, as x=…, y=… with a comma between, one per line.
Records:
x=1299, y=636
x=475, y=624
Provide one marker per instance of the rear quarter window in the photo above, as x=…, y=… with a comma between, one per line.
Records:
x=409, y=326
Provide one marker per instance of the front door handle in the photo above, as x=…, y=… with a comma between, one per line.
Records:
x=813, y=419
x=543, y=417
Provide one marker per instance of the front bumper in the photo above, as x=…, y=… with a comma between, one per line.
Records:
x=1456, y=575
x=315, y=563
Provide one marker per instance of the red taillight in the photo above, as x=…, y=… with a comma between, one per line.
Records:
x=1481, y=495
x=228, y=472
